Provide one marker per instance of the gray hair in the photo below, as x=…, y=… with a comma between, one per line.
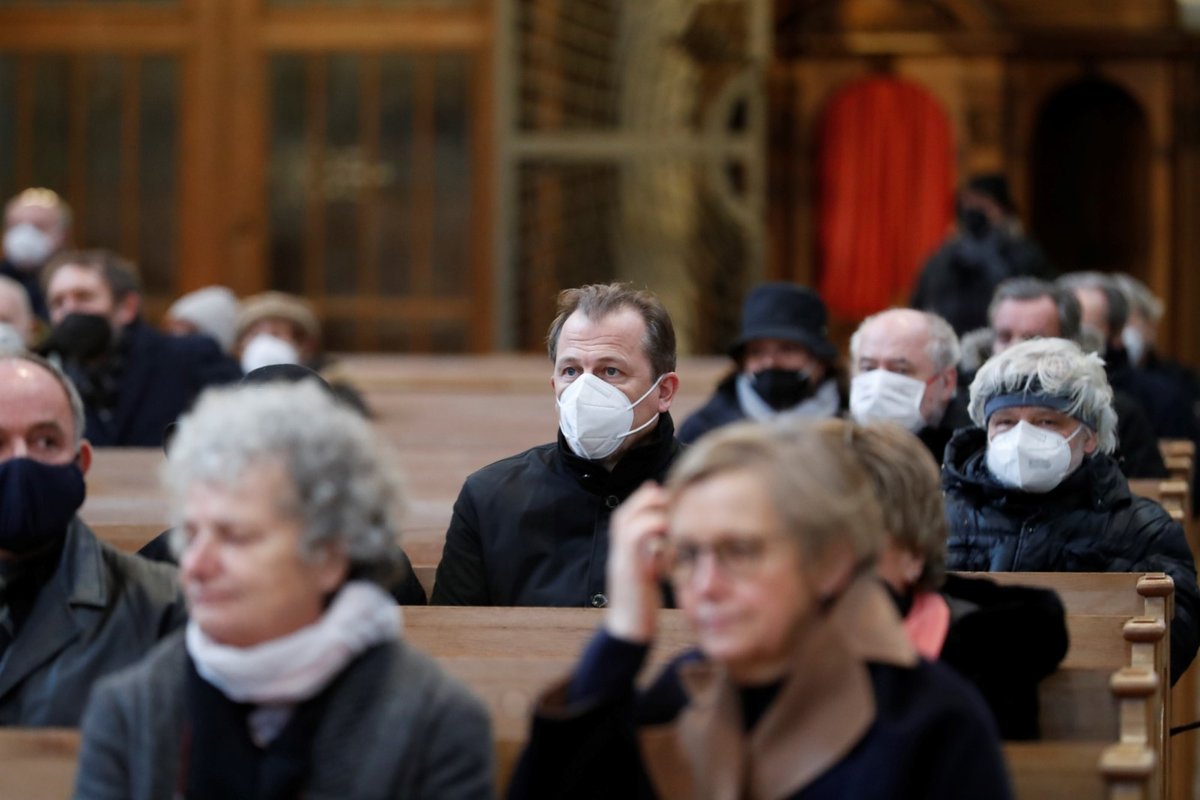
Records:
x=78, y=416
x=1023, y=289
x=943, y=346
x=1118, y=306
x=1139, y=297
x=344, y=492
x=1050, y=366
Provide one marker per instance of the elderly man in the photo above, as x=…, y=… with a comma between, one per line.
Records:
x=1034, y=488
x=903, y=362
x=72, y=609
x=16, y=311
x=784, y=364
x=1027, y=308
x=532, y=529
x=37, y=224
x=1140, y=337
x=134, y=380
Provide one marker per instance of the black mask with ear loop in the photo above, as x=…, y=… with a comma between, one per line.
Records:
x=782, y=388
x=79, y=337
x=37, y=502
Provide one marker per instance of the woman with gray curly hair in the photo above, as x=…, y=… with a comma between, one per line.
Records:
x=291, y=674
x=1035, y=489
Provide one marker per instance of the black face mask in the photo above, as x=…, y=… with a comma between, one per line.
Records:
x=37, y=502
x=782, y=388
x=80, y=337
x=974, y=222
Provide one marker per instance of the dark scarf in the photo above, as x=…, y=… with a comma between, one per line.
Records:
x=219, y=758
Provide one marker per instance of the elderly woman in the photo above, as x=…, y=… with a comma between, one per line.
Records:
x=803, y=686
x=1004, y=639
x=1034, y=488
x=292, y=679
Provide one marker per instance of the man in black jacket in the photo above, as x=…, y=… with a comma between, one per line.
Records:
x=72, y=609
x=532, y=529
x=1036, y=491
x=133, y=379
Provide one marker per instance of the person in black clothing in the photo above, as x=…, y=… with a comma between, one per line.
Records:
x=989, y=247
x=903, y=362
x=532, y=529
x=134, y=379
x=1034, y=489
x=1004, y=639
x=1140, y=339
x=1026, y=308
x=785, y=364
x=37, y=225
x=803, y=685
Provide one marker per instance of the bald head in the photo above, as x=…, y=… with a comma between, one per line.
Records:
x=36, y=397
x=15, y=309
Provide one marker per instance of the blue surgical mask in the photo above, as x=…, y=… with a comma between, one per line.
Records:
x=37, y=502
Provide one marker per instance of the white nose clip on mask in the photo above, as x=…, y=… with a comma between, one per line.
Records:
x=595, y=416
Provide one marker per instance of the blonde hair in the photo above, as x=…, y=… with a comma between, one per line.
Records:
x=814, y=479
x=907, y=485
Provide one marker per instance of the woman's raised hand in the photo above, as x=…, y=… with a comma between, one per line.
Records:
x=636, y=540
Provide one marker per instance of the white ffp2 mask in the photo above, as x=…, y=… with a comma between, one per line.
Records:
x=595, y=416
x=1029, y=458
x=264, y=350
x=882, y=396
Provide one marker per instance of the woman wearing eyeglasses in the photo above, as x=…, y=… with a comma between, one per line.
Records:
x=803, y=684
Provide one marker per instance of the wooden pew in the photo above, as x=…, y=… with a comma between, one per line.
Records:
x=38, y=763
x=1179, y=455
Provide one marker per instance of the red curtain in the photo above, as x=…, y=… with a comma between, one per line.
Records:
x=886, y=167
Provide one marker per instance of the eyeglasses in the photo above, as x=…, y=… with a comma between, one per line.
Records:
x=738, y=557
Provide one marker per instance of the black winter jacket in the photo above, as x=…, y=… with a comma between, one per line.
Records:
x=1088, y=523
x=532, y=529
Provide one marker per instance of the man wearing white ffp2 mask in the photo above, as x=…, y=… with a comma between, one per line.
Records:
x=903, y=362
x=532, y=529
x=37, y=225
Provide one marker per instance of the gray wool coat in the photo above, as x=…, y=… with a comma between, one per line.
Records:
x=100, y=612
x=396, y=726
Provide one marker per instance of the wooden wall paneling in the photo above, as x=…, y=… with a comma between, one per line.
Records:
x=244, y=86
x=128, y=192
x=1150, y=83
x=366, y=337
x=424, y=186
x=1179, y=333
x=316, y=111
x=205, y=181
x=76, y=189
x=484, y=196
x=26, y=103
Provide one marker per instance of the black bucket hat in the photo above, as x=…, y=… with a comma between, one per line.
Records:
x=785, y=311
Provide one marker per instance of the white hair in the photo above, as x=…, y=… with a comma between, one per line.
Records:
x=344, y=491
x=1140, y=298
x=1055, y=367
x=943, y=348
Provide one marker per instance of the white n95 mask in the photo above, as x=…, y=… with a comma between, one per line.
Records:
x=882, y=396
x=264, y=350
x=1030, y=458
x=26, y=246
x=594, y=416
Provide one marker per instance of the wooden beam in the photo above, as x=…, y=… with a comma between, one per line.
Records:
x=976, y=15
x=373, y=29
x=86, y=28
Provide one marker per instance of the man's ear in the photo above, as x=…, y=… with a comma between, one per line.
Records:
x=127, y=309
x=667, y=388
x=1091, y=440
x=85, y=456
